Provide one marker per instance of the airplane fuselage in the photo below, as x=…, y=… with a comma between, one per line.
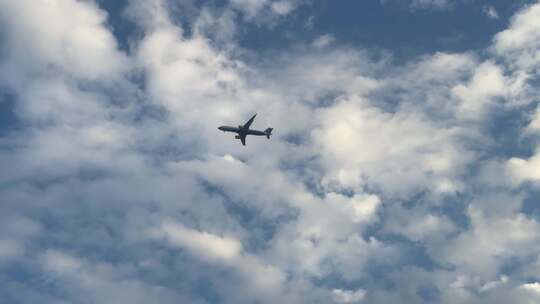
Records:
x=242, y=131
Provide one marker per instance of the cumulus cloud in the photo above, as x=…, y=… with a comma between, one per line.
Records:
x=517, y=46
x=410, y=151
x=77, y=44
x=492, y=240
x=522, y=34
x=420, y=226
x=486, y=84
x=523, y=170
x=120, y=187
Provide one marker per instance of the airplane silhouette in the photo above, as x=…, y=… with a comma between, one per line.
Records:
x=244, y=130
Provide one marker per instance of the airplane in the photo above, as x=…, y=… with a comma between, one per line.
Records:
x=244, y=130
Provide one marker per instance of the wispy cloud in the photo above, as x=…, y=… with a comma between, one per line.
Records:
x=491, y=12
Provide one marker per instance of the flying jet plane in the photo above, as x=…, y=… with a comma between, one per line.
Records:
x=244, y=130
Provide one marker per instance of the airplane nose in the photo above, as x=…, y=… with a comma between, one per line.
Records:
x=220, y=128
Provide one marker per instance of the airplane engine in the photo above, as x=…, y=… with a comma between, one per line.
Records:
x=237, y=137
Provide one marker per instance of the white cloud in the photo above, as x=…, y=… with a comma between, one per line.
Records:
x=310, y=23
x=437, y=4
x=348, y=296
x=263, y=278
x=358, y=208
x=410, y=152
x=426, y=4
x=494, y=284
x=323, y=41
x=101, y=282
x=149, y=15
x=523, y=32
x=264, y=10
x=282, y=7
x=43, y=39
x=421, y=227
x=491, y=12
x=200, y=244
x=518, y=43
x=491, y=239
x=251, y=7
x=114, y=199
x=487, y=83
x=532, y=287
x=203, y=75
x=534, y=125
x=525, y=169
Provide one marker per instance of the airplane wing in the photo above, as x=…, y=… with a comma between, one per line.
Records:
x=243, y=140
x=249, y=122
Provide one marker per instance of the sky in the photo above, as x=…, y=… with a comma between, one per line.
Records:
x=404, y=165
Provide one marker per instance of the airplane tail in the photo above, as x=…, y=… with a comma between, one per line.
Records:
x=268, y=132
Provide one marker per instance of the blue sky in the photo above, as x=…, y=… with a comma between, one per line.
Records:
x=391, y=26
x=404, y=165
